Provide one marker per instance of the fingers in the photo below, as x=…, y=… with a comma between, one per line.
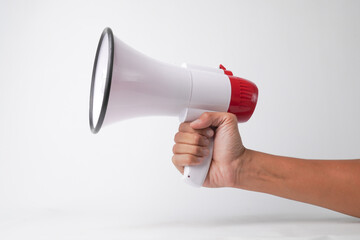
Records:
x=193, y=150
x=191, y=138
x=191, y=146
x=182, y=160
x=213, y=119
x=185, y=127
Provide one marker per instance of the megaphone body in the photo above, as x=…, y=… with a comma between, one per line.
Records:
x=128, y=84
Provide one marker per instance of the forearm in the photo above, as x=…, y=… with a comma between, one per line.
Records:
x=333, y=184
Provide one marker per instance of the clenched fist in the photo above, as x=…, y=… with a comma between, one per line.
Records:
x=192, y=145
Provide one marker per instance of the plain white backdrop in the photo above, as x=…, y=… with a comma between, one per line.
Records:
x=304, y=57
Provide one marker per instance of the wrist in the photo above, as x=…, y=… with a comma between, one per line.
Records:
x=261, y=172
x=265, y=173
x=243, y=167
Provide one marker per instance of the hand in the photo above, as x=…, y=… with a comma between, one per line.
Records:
x=191, y=146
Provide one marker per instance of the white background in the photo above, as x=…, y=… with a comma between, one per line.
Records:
x=304, y=57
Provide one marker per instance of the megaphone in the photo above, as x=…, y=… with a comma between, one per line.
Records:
x=127, y=84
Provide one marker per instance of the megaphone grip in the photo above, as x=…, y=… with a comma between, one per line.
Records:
x=196, y=175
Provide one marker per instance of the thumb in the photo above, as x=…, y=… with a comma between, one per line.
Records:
x=213, y=119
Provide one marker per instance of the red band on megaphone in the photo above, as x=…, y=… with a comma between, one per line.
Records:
x=244, y=96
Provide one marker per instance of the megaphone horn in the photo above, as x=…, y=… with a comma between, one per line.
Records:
x=126, y=84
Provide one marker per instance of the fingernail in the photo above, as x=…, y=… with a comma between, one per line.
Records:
x=209, y=133
x=206, y=141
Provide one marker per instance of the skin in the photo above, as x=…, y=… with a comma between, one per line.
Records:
x=332, y=184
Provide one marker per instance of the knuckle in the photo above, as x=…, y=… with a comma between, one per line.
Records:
x=190, y=160
x=231, y=117
x=183, y=127
x=196, y=139
x=174, y=148
x=198, y=151
x=175, y=160
x=206, y=115
x=176, y=137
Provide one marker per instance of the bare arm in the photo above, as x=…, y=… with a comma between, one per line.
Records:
x=332, y=184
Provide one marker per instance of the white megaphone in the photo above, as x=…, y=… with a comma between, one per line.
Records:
x=127, y=84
